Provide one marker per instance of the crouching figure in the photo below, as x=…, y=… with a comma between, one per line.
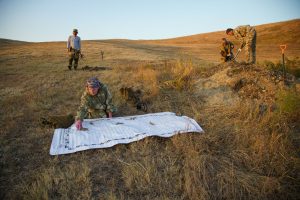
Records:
x=96, y=102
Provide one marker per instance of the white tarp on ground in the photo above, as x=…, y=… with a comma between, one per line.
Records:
x=104, y=132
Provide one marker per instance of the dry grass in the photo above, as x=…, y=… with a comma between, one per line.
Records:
x=243, y=154
x=68, y=182
x=146, y=77
x=184, y=76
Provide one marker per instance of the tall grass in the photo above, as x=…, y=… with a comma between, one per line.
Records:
x=241, y=155
x=183, y=76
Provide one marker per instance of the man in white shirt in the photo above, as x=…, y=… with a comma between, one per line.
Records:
x=74, y=46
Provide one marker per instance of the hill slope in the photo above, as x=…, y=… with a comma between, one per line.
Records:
x=10, y=42
x=206, y=46
x=269, y=37
x=280, y=32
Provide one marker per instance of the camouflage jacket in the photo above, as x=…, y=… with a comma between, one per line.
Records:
x=95, y=106
x=226, y=48
x=243, y=33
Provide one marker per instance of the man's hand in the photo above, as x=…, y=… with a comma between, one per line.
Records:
x=110, y=115
x=239, y=50
x=78, y=125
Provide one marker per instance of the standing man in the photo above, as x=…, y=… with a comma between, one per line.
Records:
x=74, y=46
x=247, y=36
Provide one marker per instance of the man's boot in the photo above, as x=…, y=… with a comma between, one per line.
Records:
x=70, y=67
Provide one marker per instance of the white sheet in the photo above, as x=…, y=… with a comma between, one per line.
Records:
x=104, y=132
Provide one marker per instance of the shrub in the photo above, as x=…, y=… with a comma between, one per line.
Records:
x=288, y=102
x=292, y=66
x=184, y=76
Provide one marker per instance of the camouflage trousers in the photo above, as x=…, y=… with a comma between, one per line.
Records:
x=73, y=56
x=250, y=47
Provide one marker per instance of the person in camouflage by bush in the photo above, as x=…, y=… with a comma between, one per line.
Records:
x=96, y=102
x=226, y=50
x=247, y=36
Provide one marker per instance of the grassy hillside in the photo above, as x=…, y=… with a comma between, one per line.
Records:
x=250, y=148
x=280, y=32
x=8, y=42
x=269, y=37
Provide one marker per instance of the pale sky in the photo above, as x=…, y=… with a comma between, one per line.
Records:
x=54, y=20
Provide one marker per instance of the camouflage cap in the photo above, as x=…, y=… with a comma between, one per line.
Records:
x=93, y=82
x=75, y=30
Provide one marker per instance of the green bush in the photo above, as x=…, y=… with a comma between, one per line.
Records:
x=292, y=66
x=288, y=101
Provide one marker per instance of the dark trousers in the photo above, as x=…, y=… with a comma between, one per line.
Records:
x=73, y=55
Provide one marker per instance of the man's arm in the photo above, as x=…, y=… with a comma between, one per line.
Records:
x=79, y=44
x=69, y=43
x=240, y=33
x=83, y=108
x=110, y=108
x=81, y=113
